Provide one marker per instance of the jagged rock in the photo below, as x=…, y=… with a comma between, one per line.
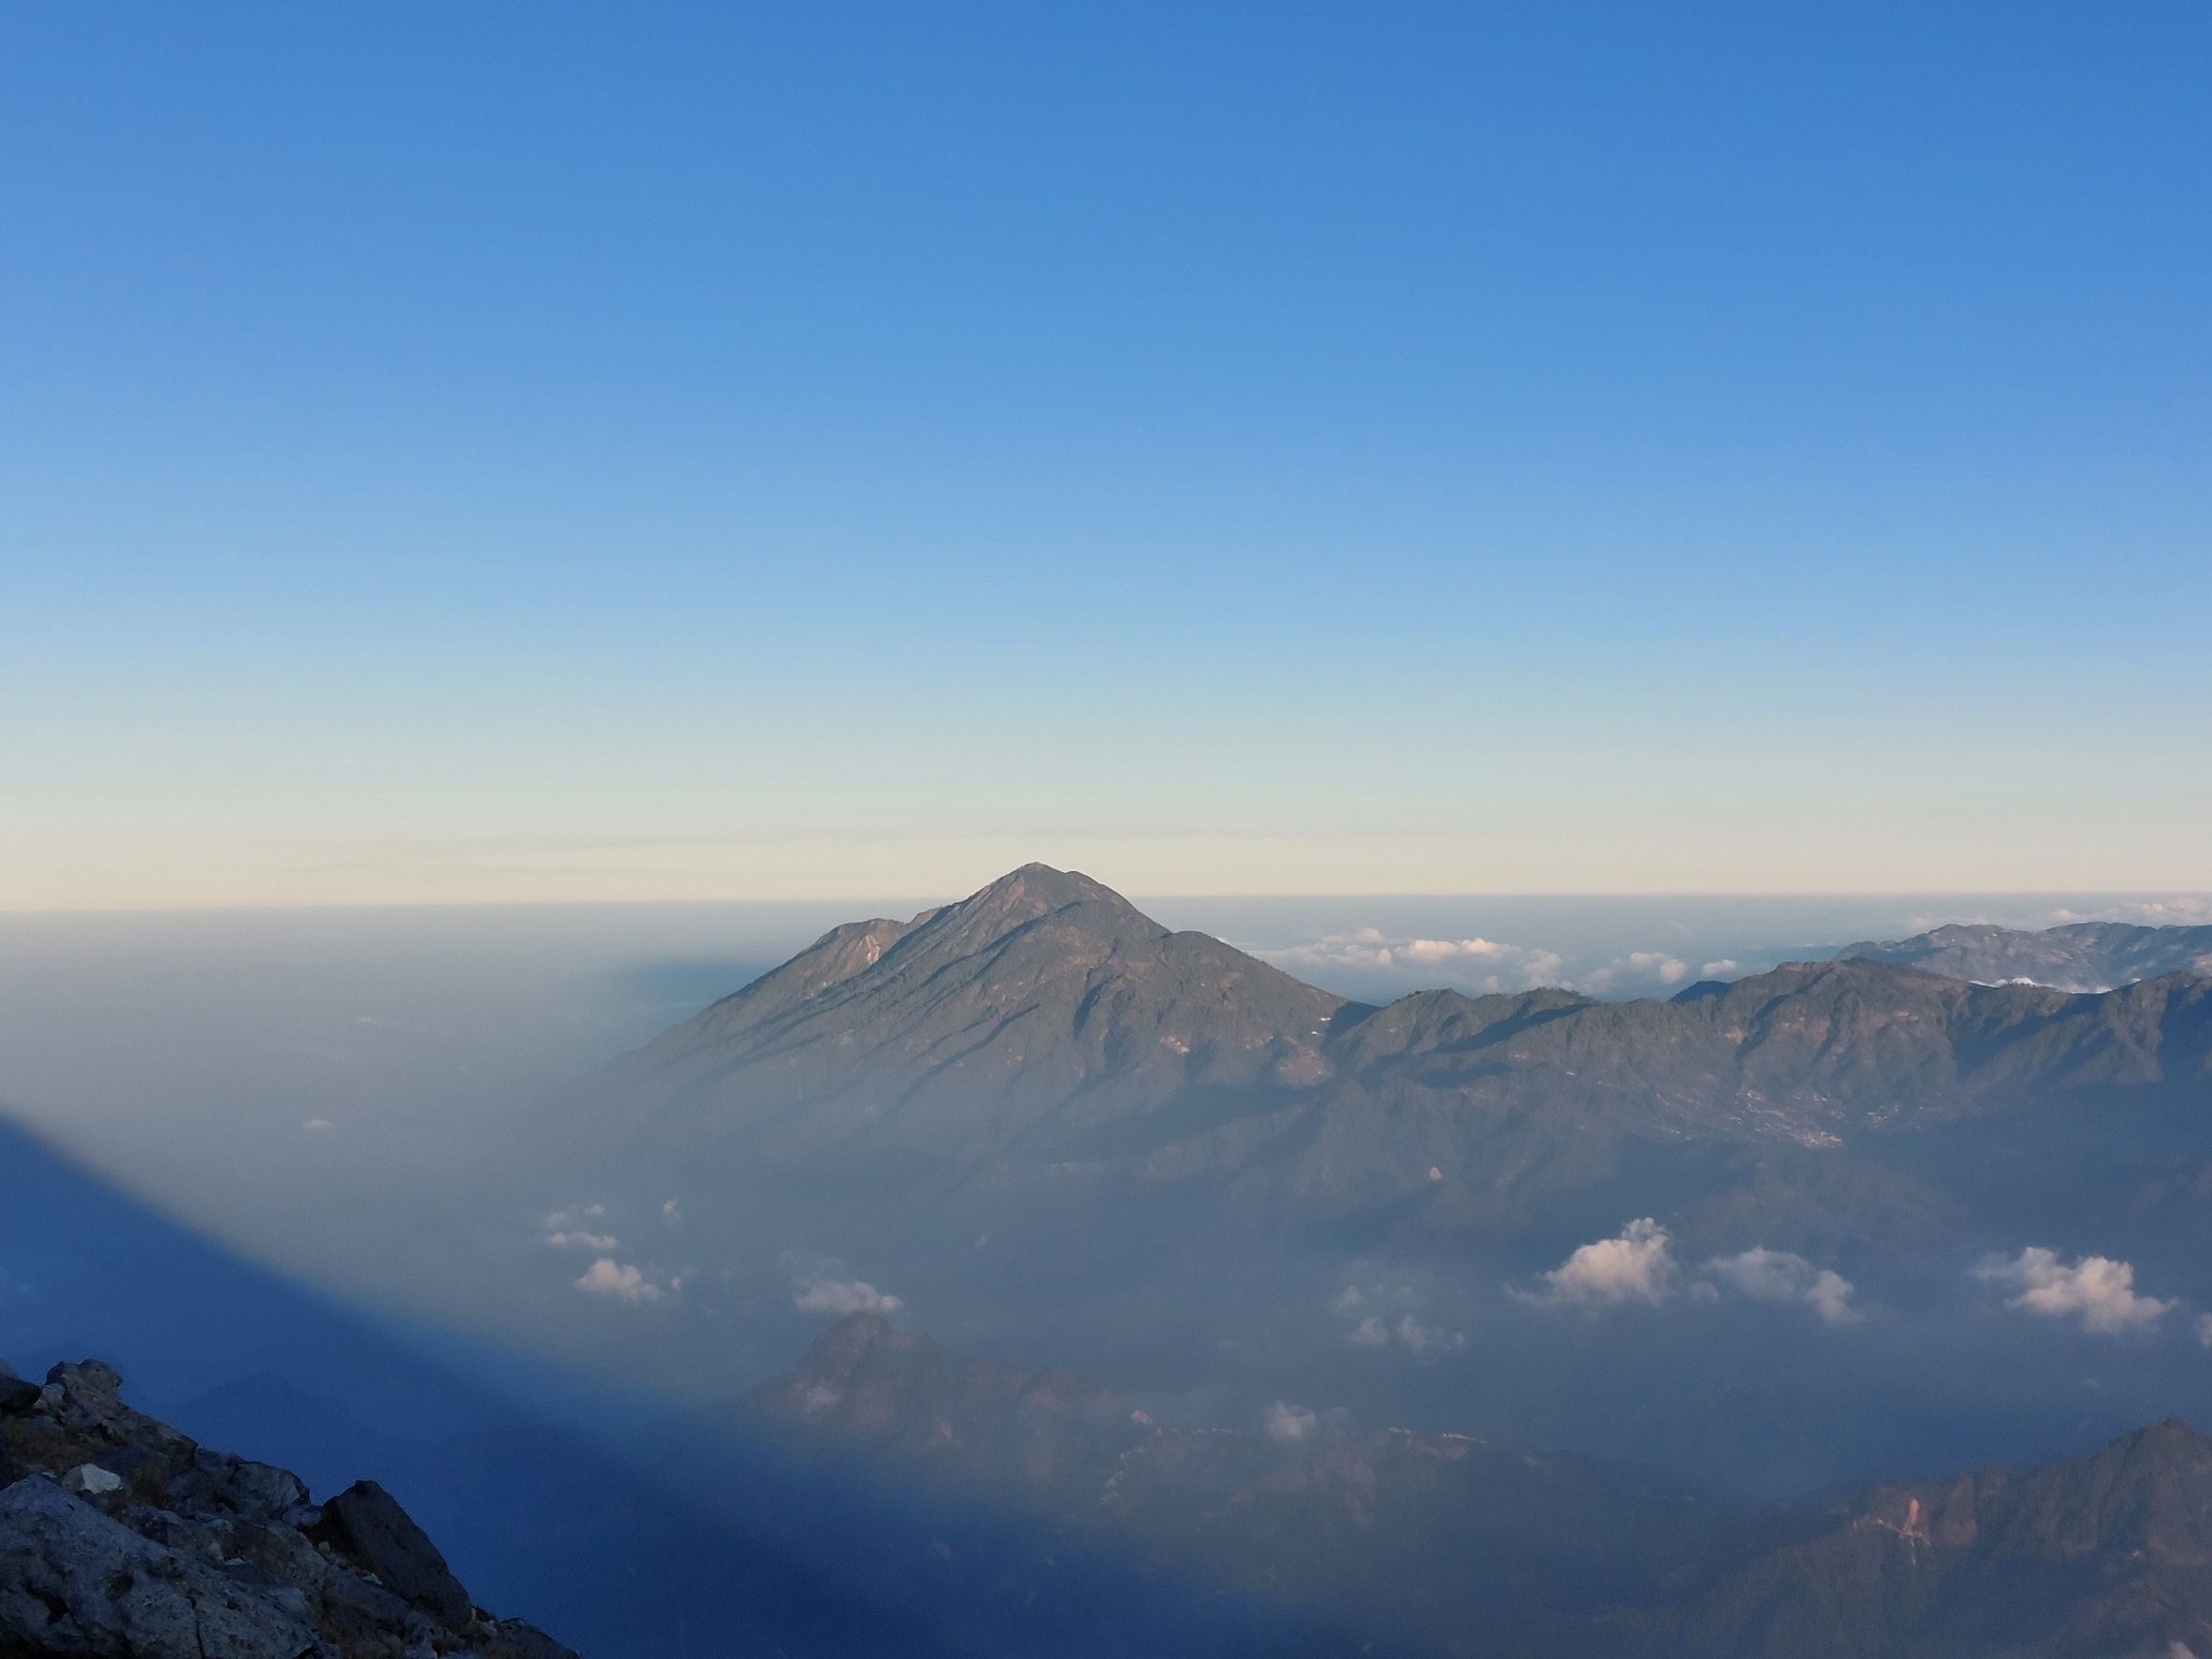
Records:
x=121, y=1538
x=239, y=1487
x=367, y=1522
x=73, y=1581
x=358, y=1614
x=17, y=1393
x=85, y=1393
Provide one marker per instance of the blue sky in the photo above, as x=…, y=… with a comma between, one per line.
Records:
x=540, y=451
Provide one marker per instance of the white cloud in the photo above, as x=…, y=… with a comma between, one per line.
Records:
x=1424, y=1339
x=671, y=1211
x=2095, y=1290
x=609, y=1277
x=582, y=1240
x=1476, y=963
x=842, y=1296
x=1378, y=1329
x=2204, y=1330
x=1289, y=1423
x=317, y=1125
x=1778, y=1275
x=1727, y=967
x=1636, y=1266
x=1640, y=973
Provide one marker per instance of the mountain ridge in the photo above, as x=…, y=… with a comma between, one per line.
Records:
x=2080, y=956
x=1045, y=1020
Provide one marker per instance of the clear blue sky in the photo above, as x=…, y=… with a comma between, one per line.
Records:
x=517, y=451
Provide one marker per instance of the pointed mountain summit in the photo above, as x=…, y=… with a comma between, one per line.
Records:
x=1043, y=1034
x=1045, y=1000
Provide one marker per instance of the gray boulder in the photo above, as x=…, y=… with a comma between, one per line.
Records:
x=74, y=1582
x=86, y=1394
x=366, y=1523
x=17, y=1394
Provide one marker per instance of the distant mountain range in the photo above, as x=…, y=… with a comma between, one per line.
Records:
x=1042, y=1035
x=1453, y=1545
x=2080, y=956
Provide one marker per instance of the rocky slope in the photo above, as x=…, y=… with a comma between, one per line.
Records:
x=2079, y=956
x=121, y=1538
x=2108, y=1555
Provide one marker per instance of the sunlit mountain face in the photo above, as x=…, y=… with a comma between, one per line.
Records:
x=1028, y=1252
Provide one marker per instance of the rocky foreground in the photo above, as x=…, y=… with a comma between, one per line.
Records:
x=121, y=1538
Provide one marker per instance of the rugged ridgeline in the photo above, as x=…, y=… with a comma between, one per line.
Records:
x=2108, y=1555
x=121, y=1538
x=2079, y=956
x=1043, y=1031
x=1451, y=1545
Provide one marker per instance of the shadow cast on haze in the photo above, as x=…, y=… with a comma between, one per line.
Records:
x=626, y=1529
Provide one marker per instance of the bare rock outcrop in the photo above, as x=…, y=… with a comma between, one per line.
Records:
x=121, y=1538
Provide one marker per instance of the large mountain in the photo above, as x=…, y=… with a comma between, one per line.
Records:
x=1044, y=1031
x=2079, y=956
x=1042, y=1005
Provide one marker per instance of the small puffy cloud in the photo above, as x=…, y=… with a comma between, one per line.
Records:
x=1289, y=1423
x=1374, y=1329
x=1778, y=1275
x=559, y=1220
x=842, y=1296
x=671, y=1211
x=2204, y=1330
x=618, y=1280
x=1637, y=1265
x=1639, y=973
x=1727, y=967
x=576, y=1239
x=318, y=1126
x=2095, y=1290
x=1428, y=1339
